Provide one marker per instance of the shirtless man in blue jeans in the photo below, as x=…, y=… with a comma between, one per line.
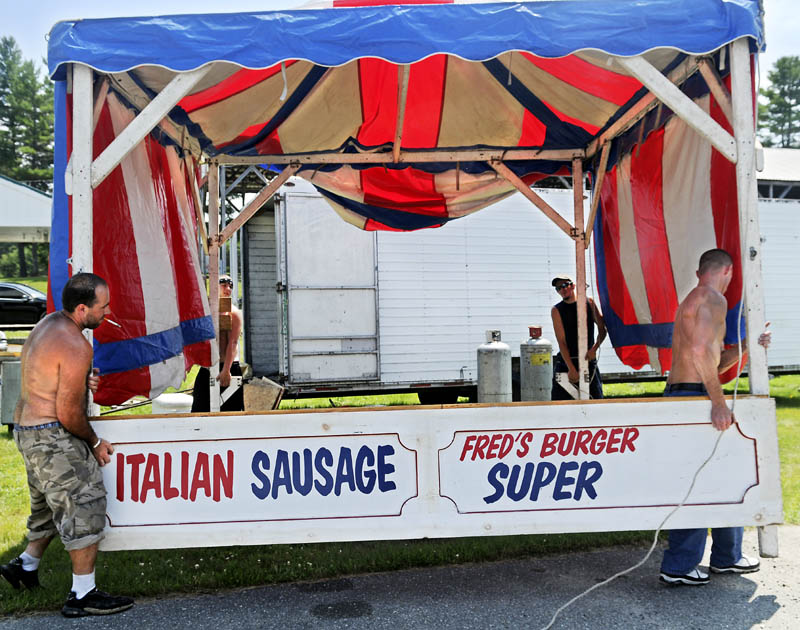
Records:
x=697, y=361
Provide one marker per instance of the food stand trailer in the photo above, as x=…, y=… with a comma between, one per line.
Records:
x=407, y=117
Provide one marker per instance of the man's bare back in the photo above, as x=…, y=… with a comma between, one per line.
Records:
x=699, y=326
x=56, y=345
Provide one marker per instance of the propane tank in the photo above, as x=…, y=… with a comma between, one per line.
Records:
x=494, y=369
x=535, y=366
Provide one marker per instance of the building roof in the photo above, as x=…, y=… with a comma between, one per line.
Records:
x=24, y=212
x=780, y=165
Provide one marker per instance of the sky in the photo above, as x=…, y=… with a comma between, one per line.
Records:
x=29, y=21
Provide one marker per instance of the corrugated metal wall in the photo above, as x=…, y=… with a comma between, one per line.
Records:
x=779, y=222
x=440, y=290
x=261, y=301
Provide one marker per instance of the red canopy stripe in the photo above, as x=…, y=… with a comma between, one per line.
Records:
x=587, y=77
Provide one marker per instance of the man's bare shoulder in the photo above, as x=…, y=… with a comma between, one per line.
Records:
x=703, y=296
x=56, y=334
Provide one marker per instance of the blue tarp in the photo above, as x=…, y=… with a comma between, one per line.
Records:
x=403, y=33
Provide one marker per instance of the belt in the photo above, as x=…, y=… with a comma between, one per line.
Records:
x=685, y=387
x=36, y=427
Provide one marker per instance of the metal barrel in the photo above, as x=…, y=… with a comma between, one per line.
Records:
x=494, y=369
x=535, y=366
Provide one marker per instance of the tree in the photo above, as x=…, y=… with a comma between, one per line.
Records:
x=779, y=117
x=26, y=119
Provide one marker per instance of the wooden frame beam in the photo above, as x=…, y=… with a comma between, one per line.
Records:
x=535, y=199
x=198, y=205
x=100, y=94
x=402, y=96
x=670, y=94
x=251, y=208
x=717, y=87
x=598, y=185
x=213, y=281
x=444, y=155
x=144, y=123
x=641, y=108
x=580, y=280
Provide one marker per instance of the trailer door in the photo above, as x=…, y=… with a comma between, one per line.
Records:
x=331, y=294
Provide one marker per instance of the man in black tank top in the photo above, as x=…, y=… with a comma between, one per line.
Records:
x=565, y=325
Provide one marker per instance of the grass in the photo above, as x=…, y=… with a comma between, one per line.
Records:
x=155, y=573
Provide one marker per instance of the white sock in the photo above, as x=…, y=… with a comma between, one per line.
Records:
x=29, y=562
x=82, y=584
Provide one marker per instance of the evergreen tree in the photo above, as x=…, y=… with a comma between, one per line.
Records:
x=10, y=62
x=26, y=119
x=779, y=117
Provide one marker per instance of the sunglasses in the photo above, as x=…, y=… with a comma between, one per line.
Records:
x=225, y=281
x=563, y=285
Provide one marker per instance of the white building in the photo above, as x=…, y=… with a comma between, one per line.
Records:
x=24, y=213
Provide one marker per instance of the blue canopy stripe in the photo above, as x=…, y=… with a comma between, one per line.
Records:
x=402, y=33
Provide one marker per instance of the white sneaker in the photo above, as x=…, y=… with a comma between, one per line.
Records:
x=745, y=564
x=695, y=577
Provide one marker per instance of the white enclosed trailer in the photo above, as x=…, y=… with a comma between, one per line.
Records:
x=331, y=308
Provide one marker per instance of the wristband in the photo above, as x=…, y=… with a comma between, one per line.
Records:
x=98, y=443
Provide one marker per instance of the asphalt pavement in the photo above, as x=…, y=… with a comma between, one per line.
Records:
x=509, y=594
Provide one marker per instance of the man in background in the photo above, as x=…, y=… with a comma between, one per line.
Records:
x=565, y=324
x=229, y=360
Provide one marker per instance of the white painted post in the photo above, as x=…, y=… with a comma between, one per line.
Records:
x=82, y=111
x=213, y=278
x=749, y=232
x=82, y=214
x=750, y=236
x=580, y=278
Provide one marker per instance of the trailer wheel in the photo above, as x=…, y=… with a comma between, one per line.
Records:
x=438, y=396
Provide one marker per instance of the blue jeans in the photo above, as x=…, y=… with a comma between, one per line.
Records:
x=686, y=546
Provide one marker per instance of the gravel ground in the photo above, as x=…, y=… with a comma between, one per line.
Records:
x=509, y=594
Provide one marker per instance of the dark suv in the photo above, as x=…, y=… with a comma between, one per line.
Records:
x=21, y=304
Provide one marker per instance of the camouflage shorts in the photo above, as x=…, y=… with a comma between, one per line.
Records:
x=65, y=485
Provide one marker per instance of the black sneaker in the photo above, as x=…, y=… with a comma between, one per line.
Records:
x=95, y=603
x=16, y=575
x=745, y=564
x=695, y=577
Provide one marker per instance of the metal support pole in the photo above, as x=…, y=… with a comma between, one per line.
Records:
x=213, y=278
x=580, y=278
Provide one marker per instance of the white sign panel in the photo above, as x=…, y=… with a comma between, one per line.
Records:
x=413, y=472
x=598, y=467
x=259, y=480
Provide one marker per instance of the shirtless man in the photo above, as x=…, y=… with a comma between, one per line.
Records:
x=229, y=360
x=697, y=361
x=61, y=451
